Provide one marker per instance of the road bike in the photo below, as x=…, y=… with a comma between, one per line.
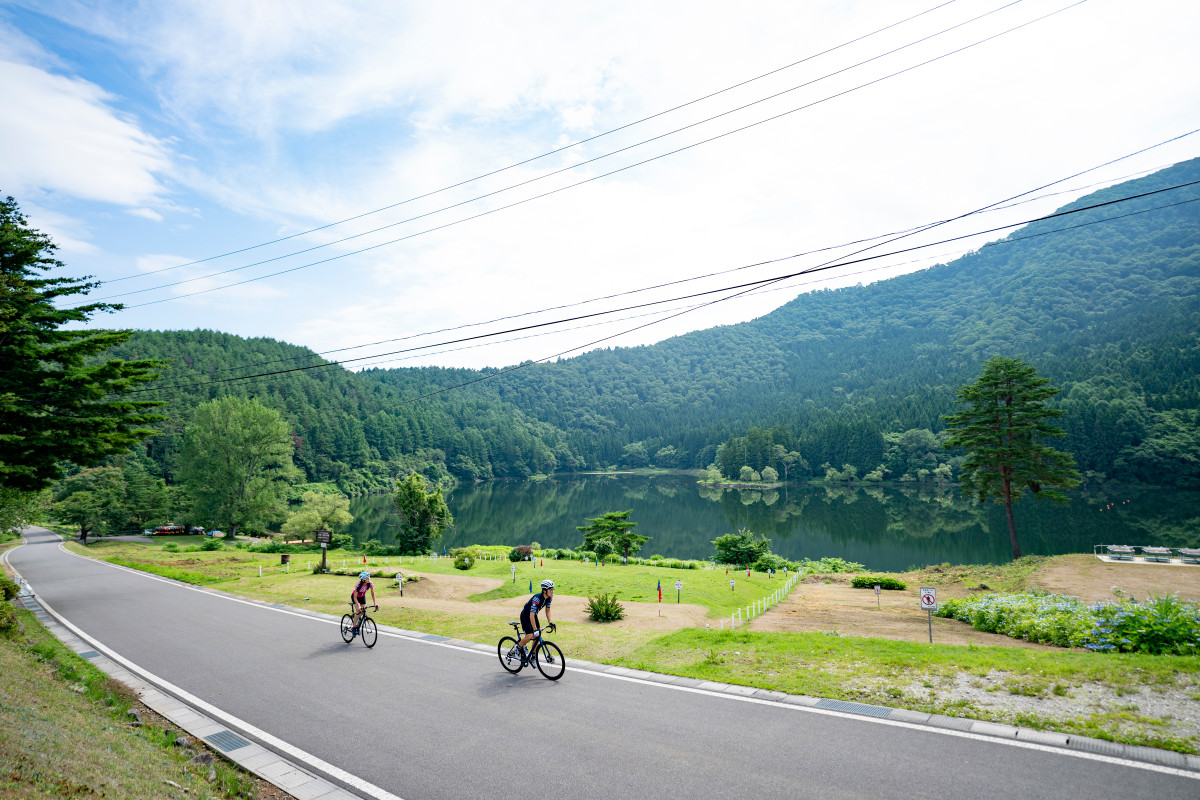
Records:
x=366, y=627
x=545, y=654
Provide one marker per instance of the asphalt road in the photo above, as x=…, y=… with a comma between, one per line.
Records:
x=425, y=721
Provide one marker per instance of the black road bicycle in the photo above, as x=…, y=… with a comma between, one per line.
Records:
x=366, y=627
x=549, y=659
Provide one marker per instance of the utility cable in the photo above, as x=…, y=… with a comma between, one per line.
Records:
x=587, y=180
x=739, y=288
x=896, y=235
x=548, y=153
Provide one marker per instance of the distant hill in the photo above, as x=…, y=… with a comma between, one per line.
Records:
x=1110, y=312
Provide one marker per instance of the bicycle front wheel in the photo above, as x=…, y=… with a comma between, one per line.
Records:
x=368, y=631
x=347, y=628
x=510, y=655
x=550, y=661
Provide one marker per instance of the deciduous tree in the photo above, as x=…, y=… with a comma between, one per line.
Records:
x=236, y=462
x=319, y=510
x=1002, y=432
x=423, y=514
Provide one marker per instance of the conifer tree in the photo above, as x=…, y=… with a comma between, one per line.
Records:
x=1002, y=432
x=58, y=403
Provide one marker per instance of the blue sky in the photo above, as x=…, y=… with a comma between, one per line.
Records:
x=149, y=136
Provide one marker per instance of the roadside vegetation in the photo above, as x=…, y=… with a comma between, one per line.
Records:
x=64, y=725
x=898, y=674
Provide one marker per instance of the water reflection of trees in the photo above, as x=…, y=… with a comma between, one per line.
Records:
x=890, y=526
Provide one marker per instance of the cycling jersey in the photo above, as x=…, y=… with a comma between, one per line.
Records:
x=360, y=591
x=536, y=602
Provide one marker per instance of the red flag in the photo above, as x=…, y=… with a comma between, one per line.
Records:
x=660, y=591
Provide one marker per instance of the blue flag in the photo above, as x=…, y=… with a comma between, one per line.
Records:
x=531, y=585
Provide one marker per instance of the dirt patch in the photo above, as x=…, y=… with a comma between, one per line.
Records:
x=451, y=593
x=829, y=604
x=839, y=608
x=1092, y=580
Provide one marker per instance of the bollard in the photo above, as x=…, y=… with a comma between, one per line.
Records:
x=260, y=570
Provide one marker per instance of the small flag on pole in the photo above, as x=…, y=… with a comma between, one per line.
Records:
x=660, y=591
x=531, y=585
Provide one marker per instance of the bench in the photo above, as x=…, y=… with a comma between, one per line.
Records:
x=1119, y=552
x=1156, y=553
x=1189, y=555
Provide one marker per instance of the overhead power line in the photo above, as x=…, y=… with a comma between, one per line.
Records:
x=563, y=188
x=548, y=153
x=739, y=289
x=717, y=273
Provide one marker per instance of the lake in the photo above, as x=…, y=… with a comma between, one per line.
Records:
x=884, y=527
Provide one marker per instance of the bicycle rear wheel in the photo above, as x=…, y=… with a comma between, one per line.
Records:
x=550, y=661
x=369, y=632
x=510, y=655
x=347, y=628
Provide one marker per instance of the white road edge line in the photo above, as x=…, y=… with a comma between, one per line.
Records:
x=291, y=750
x=1143, y=765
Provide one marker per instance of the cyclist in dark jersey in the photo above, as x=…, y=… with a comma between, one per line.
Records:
x=529, y=614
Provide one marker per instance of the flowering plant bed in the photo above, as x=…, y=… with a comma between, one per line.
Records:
x=1159, y=625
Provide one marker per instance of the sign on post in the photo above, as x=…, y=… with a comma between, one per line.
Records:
x=929, y=603
x=678, y=587
x=324, y=538
x=929, y=598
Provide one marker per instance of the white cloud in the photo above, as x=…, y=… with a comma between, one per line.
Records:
x=61, y=135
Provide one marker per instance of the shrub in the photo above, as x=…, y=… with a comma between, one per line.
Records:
x=605, y=608
x=211, y=544
x=769, y=560
x=869, y=581
x=8, y=617
x=520, y=553
x=171, y=547
x=9, y=587
x=828, y=565
x=464, y=561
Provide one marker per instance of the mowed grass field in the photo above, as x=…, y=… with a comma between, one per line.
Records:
x=911, y=675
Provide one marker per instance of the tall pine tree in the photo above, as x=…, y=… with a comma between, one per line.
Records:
x=1002, y=432
x=57, y=403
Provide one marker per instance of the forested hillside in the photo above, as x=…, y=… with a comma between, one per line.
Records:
x=860, y=376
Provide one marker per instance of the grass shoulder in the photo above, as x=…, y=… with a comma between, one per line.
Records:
x=64, y=724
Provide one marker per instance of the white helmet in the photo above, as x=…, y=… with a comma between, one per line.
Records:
x=547, y=584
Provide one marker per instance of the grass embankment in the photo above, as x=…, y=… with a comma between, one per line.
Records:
x=64, y=732
x=910, y=675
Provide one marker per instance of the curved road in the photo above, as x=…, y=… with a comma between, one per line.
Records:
x=424, y=720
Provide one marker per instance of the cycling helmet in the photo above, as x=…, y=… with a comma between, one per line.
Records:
x=547, y=584
x=364, y=575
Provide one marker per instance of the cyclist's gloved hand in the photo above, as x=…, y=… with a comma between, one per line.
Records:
x=552, y=627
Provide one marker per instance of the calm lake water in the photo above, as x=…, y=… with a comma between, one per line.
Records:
x=885, y=528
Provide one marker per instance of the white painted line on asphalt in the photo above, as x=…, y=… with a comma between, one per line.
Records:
x=1097, y=757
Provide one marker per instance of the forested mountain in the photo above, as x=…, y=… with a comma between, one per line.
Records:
x=1110, y=312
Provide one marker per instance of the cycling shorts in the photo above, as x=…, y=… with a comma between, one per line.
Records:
x=527, y=623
